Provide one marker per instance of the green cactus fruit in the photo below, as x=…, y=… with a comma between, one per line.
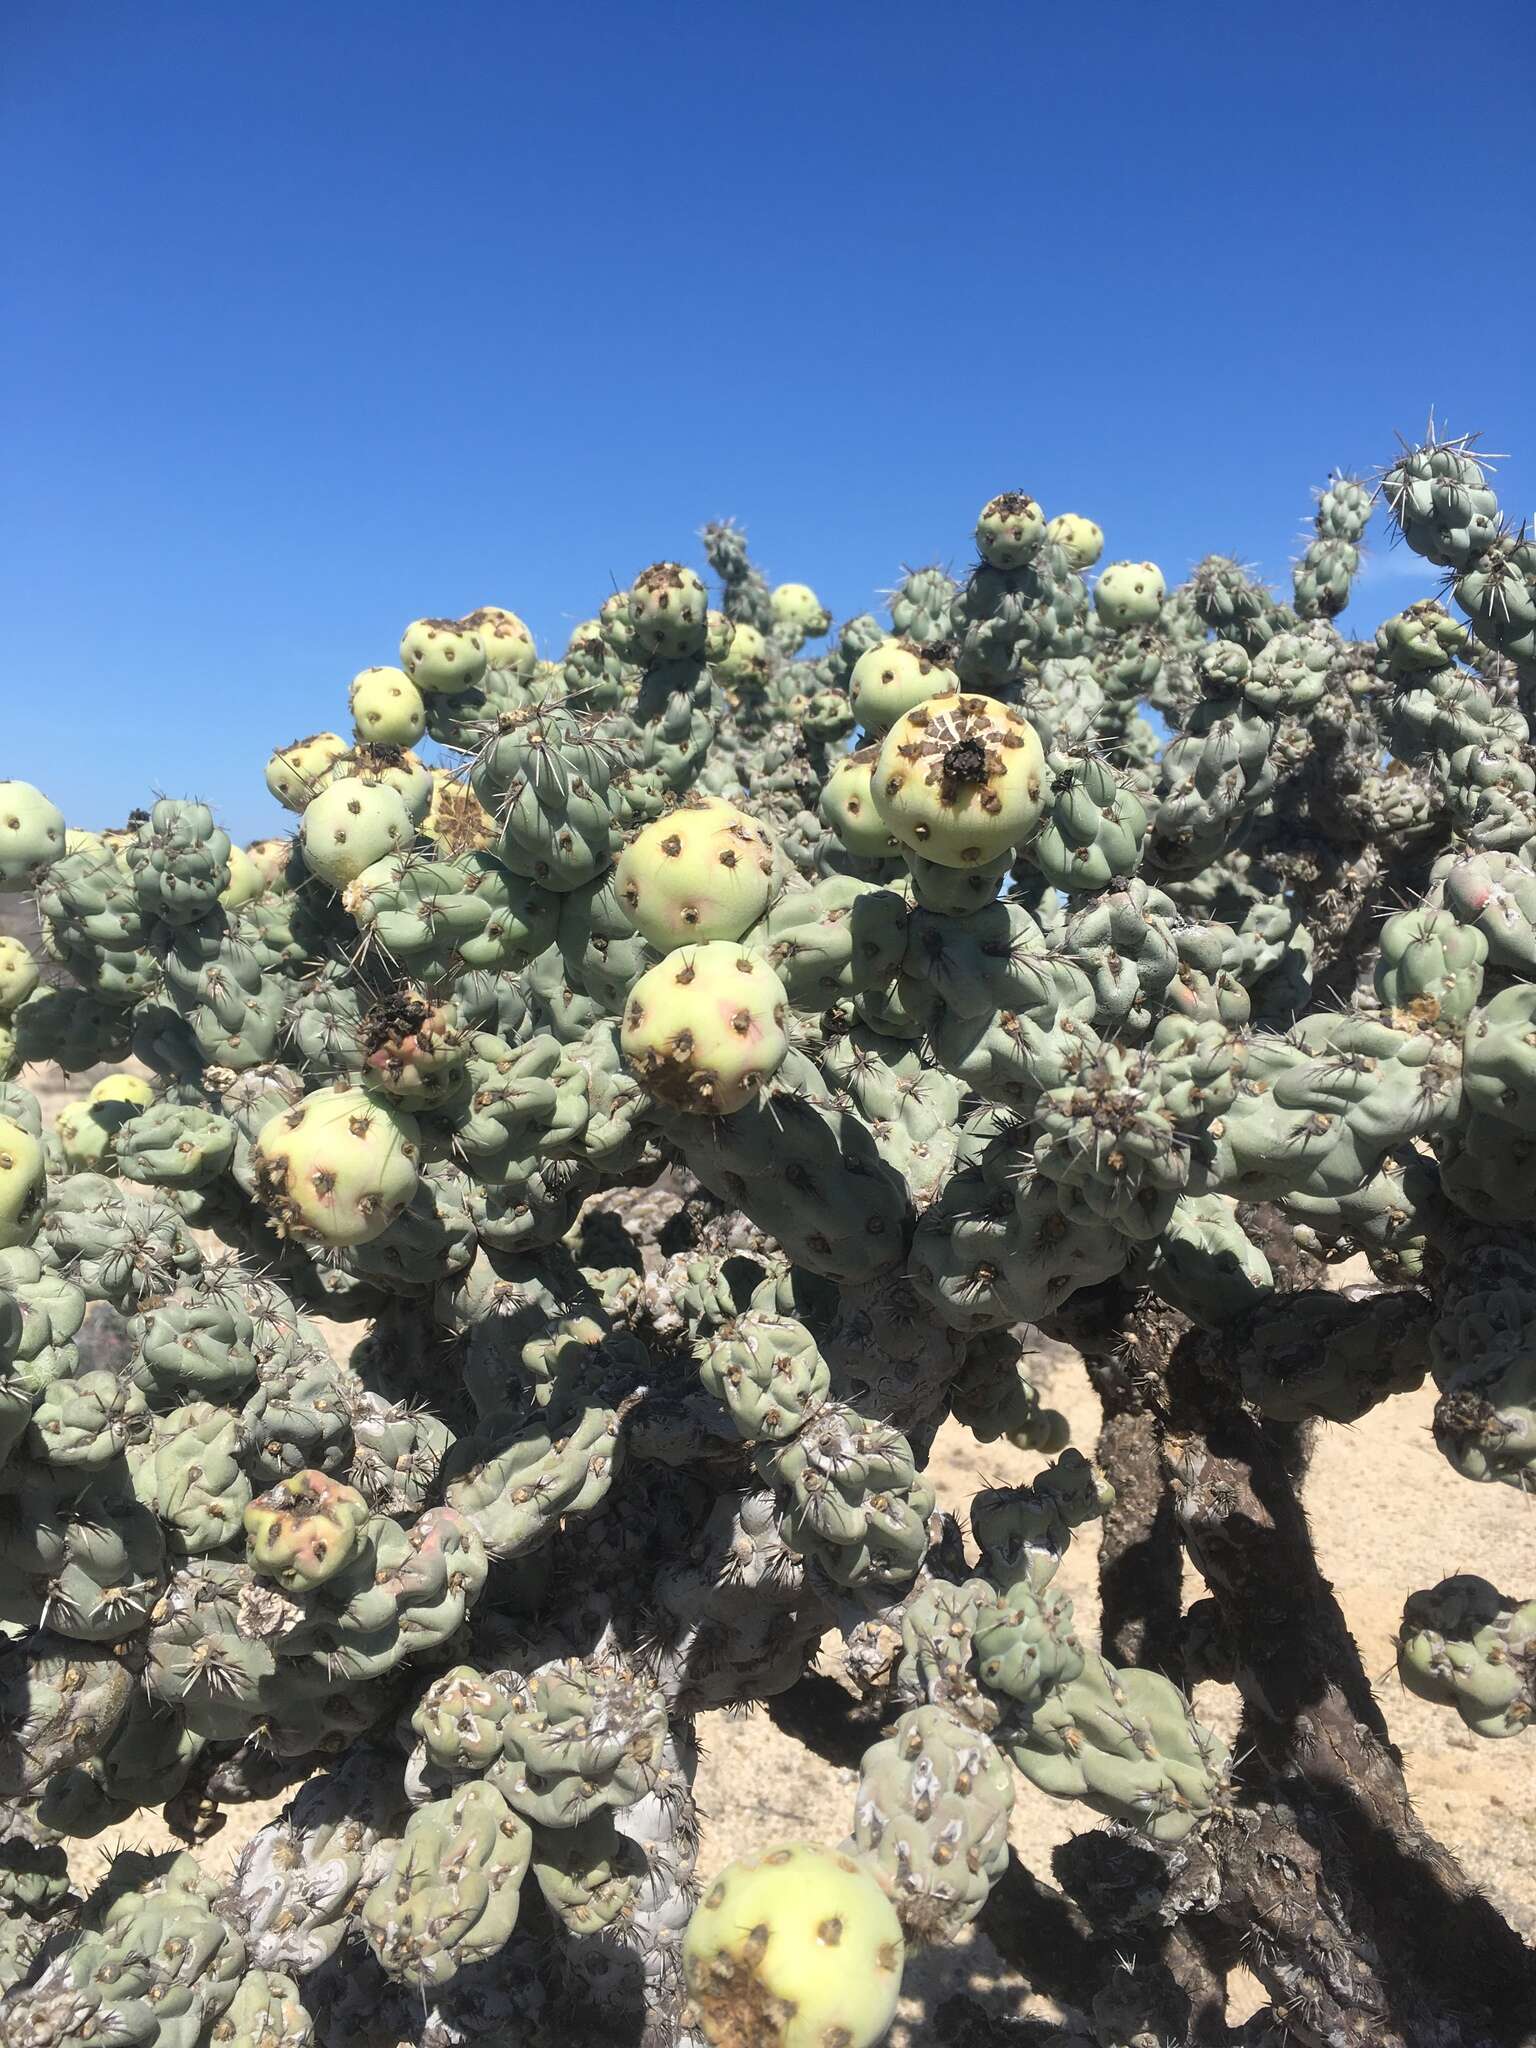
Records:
x=767, y=1371
x=296, y=772
x=349, y=826
x=270, y=857
x=397, y=768
x=18, y=974
x=387, y=708
x=746, y=663
x=961, y=779
x=1080, y=539
x=302, y=1531
x=703, y=871
x=668, y=612
x=87, y=1131
x=337, y=1167
x=32, y=836
x=132, y=1089
x=507, y=641
x=847, y=804
x=23, y=1184
x=246, y=881
x=1010, y=529
x=794, y=1947
x=894, y=677
x=1129, y=594
x=707, y=1028
x=442, y=657
x=797, y=605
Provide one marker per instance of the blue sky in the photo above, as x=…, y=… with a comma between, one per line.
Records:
x=322, y=317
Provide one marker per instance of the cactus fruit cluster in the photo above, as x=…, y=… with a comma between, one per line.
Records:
x=688, y=1070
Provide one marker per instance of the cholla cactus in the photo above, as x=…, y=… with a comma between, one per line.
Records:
x=686, y=1079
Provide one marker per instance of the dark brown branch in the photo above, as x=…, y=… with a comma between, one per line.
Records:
x=1429, y=1961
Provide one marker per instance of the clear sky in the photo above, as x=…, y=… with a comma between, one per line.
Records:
x=324, y=315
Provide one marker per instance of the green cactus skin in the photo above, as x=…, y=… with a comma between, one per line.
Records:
x=931, y=1815
x=450, y=1893
x=1464, y=1645
x=769, y=1374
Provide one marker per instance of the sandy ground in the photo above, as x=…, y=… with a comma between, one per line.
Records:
x=1388, y=1514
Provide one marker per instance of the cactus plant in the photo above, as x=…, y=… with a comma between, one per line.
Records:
x=683, y=1084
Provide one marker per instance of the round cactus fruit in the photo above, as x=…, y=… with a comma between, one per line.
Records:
x=387, y=708
x=303, y=1530
x=337, y=1167
x=704, y=871
x=18, y=974
x=349, y=826
x=848, y=806
x=270, y=858
x=129, y=1088
x=960, y=780
x=246, y=880
x=397, y=768
x=668, y=612
x=507, y=641
x=889, y=680
x=706, y=1029
x=442, y=657
x=746, y=662
x=1009, y=530
x=295, y=772
x=23, y=1184
x=31, y=835
x=1129, y=594
x=1080, y=539
x=796, y=604
x=796, y=1947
